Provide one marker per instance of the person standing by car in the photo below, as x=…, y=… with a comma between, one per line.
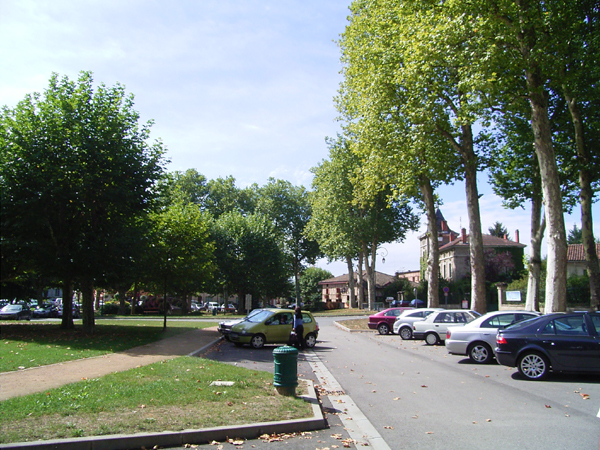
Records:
x=298, y=327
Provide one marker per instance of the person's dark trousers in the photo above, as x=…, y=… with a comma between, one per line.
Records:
x=300, y=333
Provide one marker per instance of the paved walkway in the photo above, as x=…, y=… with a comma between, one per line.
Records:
x=39, y=379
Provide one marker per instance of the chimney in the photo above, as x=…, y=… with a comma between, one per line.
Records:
x=464, y=236
x=517, y=235
x=505, y=237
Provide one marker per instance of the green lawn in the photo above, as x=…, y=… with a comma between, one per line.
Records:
x=172, y=395
x=31, y=344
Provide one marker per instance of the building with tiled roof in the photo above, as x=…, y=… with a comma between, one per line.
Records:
x=455, y=255
x=336, y=289
x=576, y=264
x=455, y=250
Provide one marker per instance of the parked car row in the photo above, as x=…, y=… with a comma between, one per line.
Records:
x=535, y=344
x=23, y=311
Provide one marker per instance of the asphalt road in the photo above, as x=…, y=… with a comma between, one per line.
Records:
x=419, y=397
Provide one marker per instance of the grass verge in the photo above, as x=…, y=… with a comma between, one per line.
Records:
x=32, y=344
x=355, y=324
x=169, y=396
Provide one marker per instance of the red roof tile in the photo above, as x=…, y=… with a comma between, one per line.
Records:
x=575, y=252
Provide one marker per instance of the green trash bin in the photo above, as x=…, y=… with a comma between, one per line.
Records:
x=285, y=377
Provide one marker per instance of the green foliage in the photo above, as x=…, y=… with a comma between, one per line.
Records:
x=180, y=256
x=578, y=290
x=249, y=256
x=499, y=230
x=77, y=176
x=575, y=235
x=112, y=308
x=398, y=285
x=310, y=291
x=289, y=209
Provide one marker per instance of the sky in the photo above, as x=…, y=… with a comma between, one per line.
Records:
x=240, y=88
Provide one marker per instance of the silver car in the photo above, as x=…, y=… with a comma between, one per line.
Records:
x=404, y=322
x=478, y=338
x=433, y=328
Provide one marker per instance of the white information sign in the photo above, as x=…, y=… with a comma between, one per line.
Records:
x=513, y=296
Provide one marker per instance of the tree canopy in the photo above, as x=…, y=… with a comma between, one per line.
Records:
x=76, y=172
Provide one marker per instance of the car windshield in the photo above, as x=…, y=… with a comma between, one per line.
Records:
x=10, y=308
x=259, y=317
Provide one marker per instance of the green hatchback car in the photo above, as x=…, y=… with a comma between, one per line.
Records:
x=272, y=326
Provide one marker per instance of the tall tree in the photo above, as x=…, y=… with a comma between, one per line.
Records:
x=404, y=59
x=76, y=172
x=181, y=254
x=249, y=256
x=289, y=209
x=310, y=290
x=499, y=230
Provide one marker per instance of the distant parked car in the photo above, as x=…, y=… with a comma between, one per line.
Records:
x=384, y=320
x=404, y=322
x=433, y=328
x=558, y=342
x=17, y=312
x=272, y=326
x=477, y=339
x=227, y=308
x=76, y=312
x=45, y=310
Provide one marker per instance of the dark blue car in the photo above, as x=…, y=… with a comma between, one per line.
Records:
x=558, y=342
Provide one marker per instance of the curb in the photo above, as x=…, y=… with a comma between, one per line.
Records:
x=181, y=438
x=348, y=330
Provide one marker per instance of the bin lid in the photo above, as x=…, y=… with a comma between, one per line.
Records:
x=285, y=349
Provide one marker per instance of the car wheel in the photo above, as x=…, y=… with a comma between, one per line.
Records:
x=431, y=338
x=533, y=366
x=383, y=328
x=480, y=353
x=310, y=340
x=258, y=341
x=406, y=333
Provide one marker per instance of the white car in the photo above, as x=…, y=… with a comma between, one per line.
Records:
x=404, y=322
x=433, y=328
x=477, y=339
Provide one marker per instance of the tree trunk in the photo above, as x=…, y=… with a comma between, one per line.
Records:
x=538, y=226
x=67, y=306
x=351, y=283
x=528, y=37
x=361, y=290
x=122, y=297
x=586, y=196
x=87, y=305
x=370, y=277
x=433, y=249
x=478, y=297
x=556, y=277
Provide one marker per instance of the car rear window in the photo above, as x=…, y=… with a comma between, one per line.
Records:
x=567, y=326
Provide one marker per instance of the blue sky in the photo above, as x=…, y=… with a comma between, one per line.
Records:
x=242, y=88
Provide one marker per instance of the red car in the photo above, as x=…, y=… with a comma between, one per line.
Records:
x=384, y=320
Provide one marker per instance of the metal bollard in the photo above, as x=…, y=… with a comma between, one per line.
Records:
x=285, y=377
